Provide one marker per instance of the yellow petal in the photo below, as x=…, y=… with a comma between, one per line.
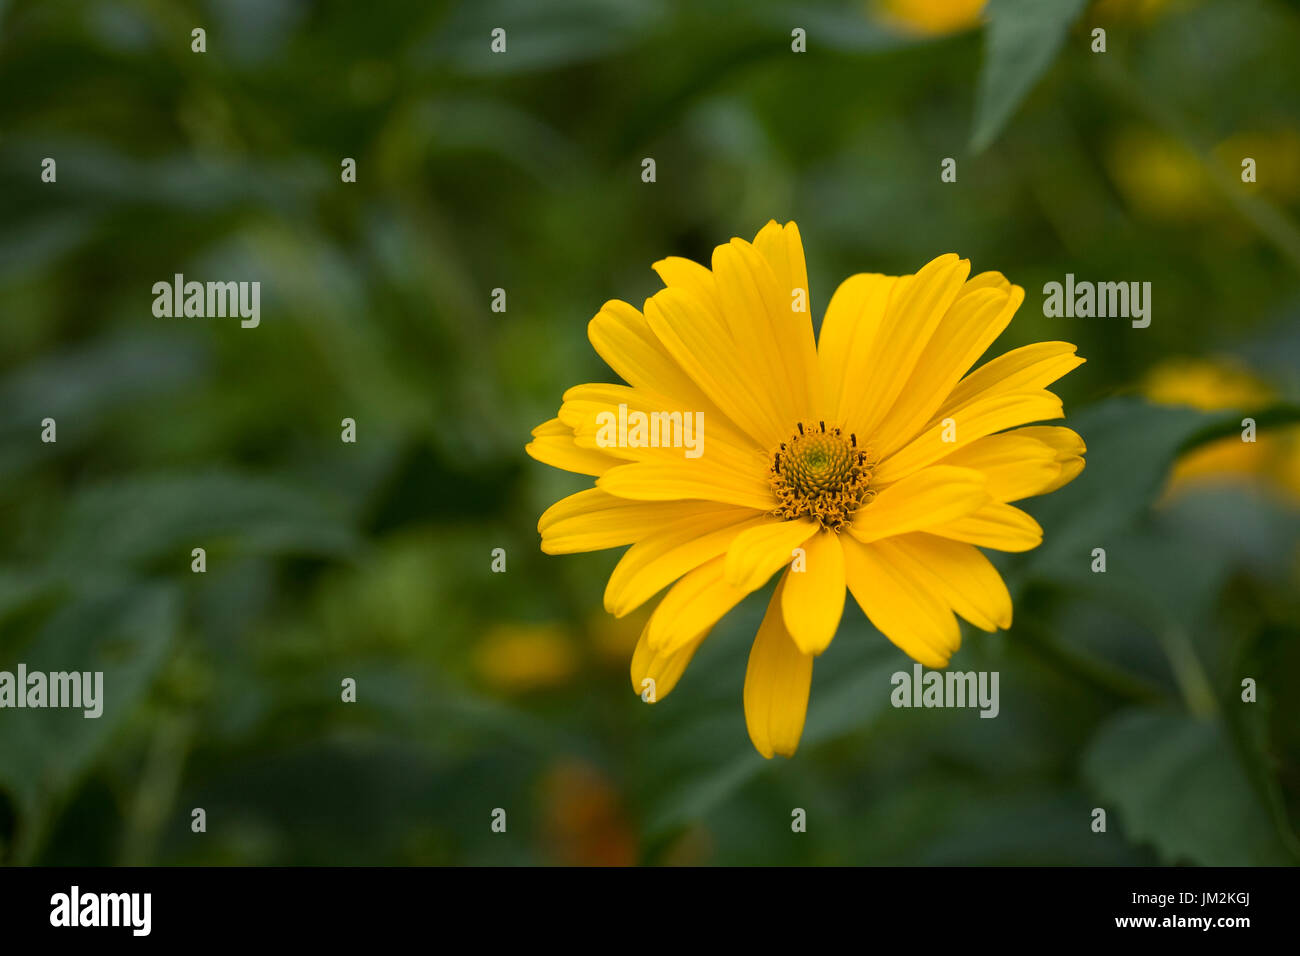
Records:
x=693, y=278
x=848, y=335
x=621, y=336
x=1065, y=441
x=988, y=414
x=931, y=496
x=782, y=247
x=553, y=445
x=976, y=318
x=758, y=313
x=691, y=607
x=703, y=346
x=592, y=520
x=814, y=597
x=1071, y=468
x=986, y=280
x=662, y=670
x=1014, y=465
x=760, y=552
x=912, y=617
x=958, y=574
x=1024, y=369
x=915, y=308
x=688, y=479
x=777, y=682
x=999, y=526
x=1069, y=449
x=663, y=556
x=590, y=411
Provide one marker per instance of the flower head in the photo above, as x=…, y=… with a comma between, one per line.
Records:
x=867, y=459
x=931, y=17
x=1211, y=385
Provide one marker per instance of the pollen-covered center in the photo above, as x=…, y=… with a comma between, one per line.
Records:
x=820, y=473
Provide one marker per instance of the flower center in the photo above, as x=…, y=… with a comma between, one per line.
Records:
x=821, y=474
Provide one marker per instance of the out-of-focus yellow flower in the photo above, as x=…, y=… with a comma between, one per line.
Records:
x=583, y=818
x=1159, y=178
x=930, y=17
x=521, y=657
x=1277, y=159
x=1273, y=458
x=1210, y=386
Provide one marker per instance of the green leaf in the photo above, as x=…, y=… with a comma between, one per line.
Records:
x=80, y=388
x=144, y=519
x=43, y=752
x=1175, y=782
x=1023, y=39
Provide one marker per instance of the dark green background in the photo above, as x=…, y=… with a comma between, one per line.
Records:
x=522, y=171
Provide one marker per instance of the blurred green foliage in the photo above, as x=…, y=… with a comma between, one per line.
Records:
x=522, y=171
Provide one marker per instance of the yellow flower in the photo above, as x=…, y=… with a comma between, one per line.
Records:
x=1159, y=177
x=865, y=460
x=516, y=658
x=931, y=17
x=1276, y=153
x=1219, y=385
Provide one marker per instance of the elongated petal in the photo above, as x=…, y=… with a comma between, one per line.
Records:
x=1014, y=465
x=702, y=344
x=592, y=520
x=667, y=481
x=1069, y=449
x=655, y=673
x=931, y=496
x=691, y=607
x=760, y=552
x=814, y=597
x=777, y=682
x=1024, y=369
x=984, y=416
x=638, y=425
x=958, y=574
x=660, y=558
x=901, y=608
x=999, y=526
x=916, y=307
x=621, y=336
x=976, y=318
x=848, y=335
x=553, y=445
x=787, y=299
x=758, y=314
